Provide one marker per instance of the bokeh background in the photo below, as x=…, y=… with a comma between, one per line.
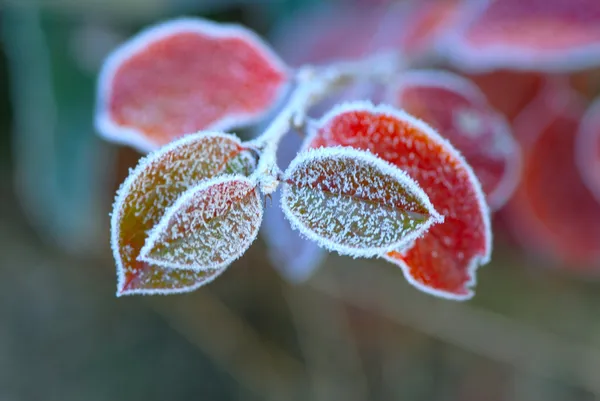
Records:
x=354, y=331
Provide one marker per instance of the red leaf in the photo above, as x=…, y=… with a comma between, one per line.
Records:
x=328, y=33
x=588, y=148
x=509, y=92
x=443, y=261
x=552, y=212
x=185, y=76
x=460, y=113
x=550, y=35
x=428, y=21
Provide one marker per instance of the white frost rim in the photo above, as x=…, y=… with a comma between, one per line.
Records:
x=113, y=132
x=385, y=168
x=155, y=233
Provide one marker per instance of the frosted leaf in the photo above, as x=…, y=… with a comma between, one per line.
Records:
x=183, y=76
x=351, y=202
x=588, y=148
x=155, y=184
x=294, y=257
x=208, y=227
x=443, y=261
x=553, y=214
x=549, y=35
x=458, y=110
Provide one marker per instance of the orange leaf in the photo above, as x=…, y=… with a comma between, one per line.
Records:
x=443, y=261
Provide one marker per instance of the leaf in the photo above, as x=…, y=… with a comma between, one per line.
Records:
x=553, y=214
x=428, y=21
x=458, y=110
x=154, y=185
x=550, y=36
x=184, y=76
x=509, y=92
x=454, y=248
x=325, y=33
x=587, y=149
x=208, y=227
x=294, y=257
x=354, y=203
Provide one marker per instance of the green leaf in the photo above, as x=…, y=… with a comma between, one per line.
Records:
x=209, y=227
x=352, y=202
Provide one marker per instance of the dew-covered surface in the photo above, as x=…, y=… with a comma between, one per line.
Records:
x=208, y=227
x=443, y=260
x=155, y=184
x=184, y=76
x=547, y=35
x=587, y=152
x=553, y=212
x=456, y=108
x=351, y=202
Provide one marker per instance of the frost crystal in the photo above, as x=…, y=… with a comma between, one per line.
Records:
x=154, y=185
x=209, y=227
x=351, y=202
x=442, y=261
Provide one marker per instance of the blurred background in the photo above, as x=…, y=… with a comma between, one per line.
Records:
x=354, y=331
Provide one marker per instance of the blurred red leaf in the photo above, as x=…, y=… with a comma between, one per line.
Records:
x=155, y=184
x=552, y=212
x=328, y=33
x=184, y=76
x=460, y=113
x=428, y=21
x=352, y=202
x=509, y=92
x=550, y=35
x=443, y=261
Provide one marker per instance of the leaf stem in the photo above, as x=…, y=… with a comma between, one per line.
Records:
x=312, y=85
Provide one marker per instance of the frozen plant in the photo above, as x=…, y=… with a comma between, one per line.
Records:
x=370, y=180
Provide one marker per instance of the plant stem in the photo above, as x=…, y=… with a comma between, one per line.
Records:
x=312, y=85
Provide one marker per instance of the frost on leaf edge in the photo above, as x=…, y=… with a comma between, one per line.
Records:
x=471, y=92
x=160, y=227
x=116, y=214
x=386, y=109
x=113, y=132
x=385, y=168
x=182, y=290
x=462, y=54
x=472, y=282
